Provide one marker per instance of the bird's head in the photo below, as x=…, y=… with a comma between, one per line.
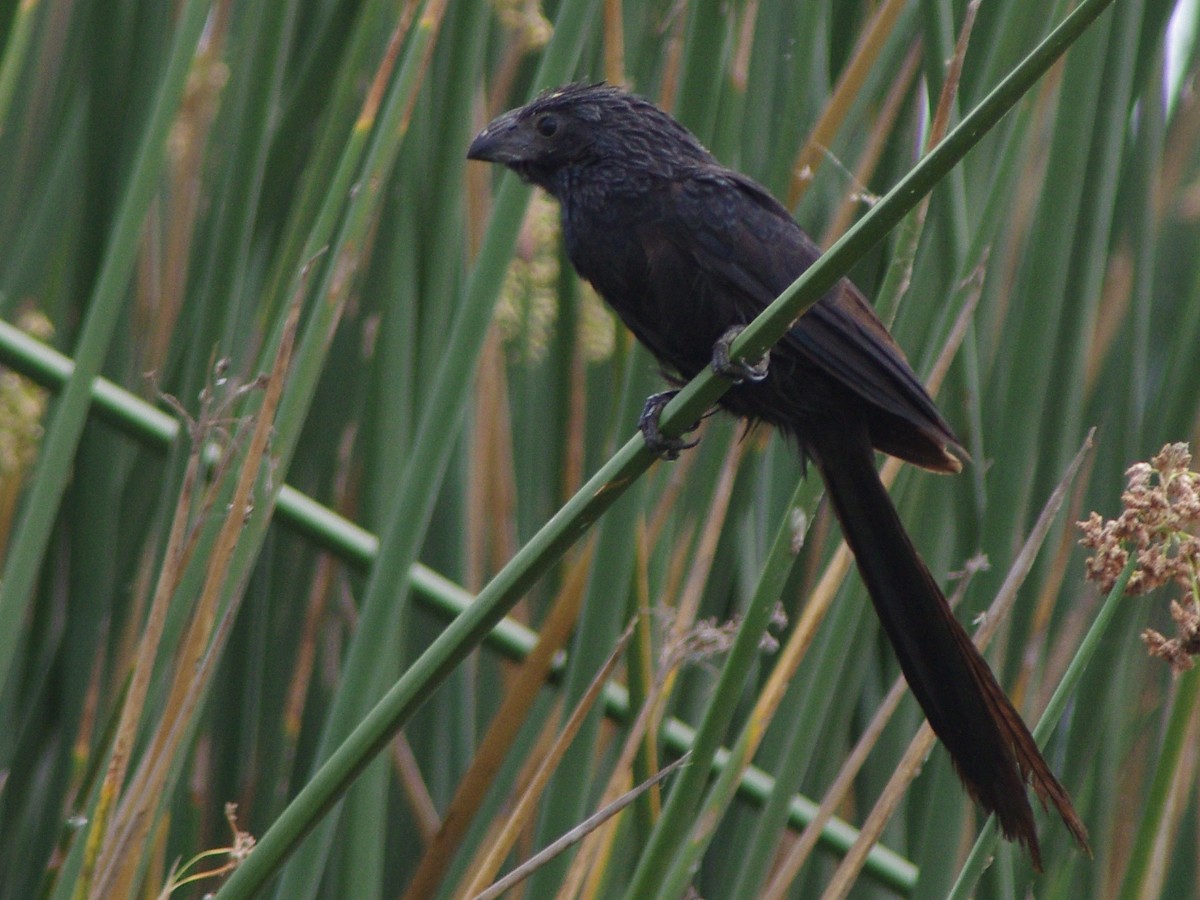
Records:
x=584, y=125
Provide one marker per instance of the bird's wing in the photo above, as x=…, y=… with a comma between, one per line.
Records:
x=747, y=246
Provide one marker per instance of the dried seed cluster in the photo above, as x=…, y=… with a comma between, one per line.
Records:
x=1159, y=524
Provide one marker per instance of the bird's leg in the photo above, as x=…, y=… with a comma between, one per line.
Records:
x=737, y=370
x=657, y=442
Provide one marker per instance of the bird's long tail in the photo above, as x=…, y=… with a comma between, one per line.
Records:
x=991, y=748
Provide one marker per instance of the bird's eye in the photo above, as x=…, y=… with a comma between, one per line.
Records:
x=547, y=125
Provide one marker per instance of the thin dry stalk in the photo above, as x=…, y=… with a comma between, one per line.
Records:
x=519, y=698
x=118, y=862
x=412, y=783
x=841, y=787
x=576, y=834
x=174, y=561
x=538, y=751
x=706, y=551
x=614, y=42
x=841, y=101
x=881, y=131
x=587, y=866
x=527, y=805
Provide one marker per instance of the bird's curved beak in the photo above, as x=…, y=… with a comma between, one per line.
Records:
x=502, y=141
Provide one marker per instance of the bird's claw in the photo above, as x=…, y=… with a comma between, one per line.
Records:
x=657, y=442
x=737, y=370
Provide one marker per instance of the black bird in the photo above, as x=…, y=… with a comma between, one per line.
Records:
x=685, y=250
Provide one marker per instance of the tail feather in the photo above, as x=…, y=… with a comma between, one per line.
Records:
x=992, y=750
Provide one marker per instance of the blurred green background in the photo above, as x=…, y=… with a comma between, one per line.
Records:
x=211, y=572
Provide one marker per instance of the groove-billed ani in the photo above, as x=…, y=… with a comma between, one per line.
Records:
x=684, y=249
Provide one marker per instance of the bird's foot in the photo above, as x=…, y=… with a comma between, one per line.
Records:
x=737, y=370
x=657, y=442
